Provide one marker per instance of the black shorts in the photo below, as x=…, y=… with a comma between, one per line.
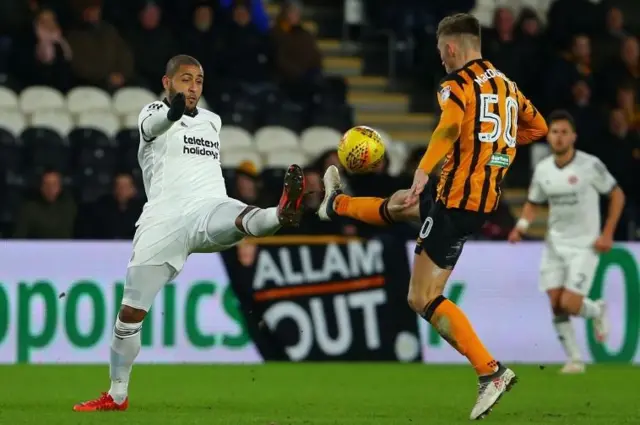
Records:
x=445, y=230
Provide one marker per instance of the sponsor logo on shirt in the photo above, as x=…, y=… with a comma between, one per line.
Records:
x=201, y=146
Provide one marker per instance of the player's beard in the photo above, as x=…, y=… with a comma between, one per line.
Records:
x=561, y=151
x=172, y=92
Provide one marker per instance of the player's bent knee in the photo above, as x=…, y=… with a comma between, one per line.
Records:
x=130, y=314
x=571, y=302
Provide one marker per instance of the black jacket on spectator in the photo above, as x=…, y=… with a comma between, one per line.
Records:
x=246, y=54
x=152, y=49
x=39, y=219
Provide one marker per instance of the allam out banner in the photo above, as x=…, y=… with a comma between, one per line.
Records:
x=496, y=285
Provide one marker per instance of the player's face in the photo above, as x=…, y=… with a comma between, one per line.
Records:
x=561, y=137
x=188, y=80
x=447, y=54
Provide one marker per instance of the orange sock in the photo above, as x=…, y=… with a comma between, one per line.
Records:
x=452, y=324
x=368, y=210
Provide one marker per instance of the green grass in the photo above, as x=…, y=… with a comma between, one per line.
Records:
x=317, y=394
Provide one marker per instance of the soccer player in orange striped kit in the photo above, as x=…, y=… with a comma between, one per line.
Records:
x=484, y=118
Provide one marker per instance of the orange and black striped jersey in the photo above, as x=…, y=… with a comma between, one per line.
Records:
x=489, y=116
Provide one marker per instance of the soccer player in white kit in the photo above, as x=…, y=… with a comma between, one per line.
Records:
x=187, y=211
x=571, y=182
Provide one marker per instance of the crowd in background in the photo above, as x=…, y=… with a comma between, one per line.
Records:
x=586, y=62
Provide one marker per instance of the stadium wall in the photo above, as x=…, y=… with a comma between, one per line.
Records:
x=58, y=301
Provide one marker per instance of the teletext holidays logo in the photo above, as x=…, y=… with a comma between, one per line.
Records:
x=316, y=285
x=200, y=146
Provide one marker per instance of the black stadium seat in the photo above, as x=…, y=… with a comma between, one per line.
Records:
x=338, y=117
x=11, y=153
x=91, y=183
x=45, y=149
x=288, y=114
x=128, y=142
x=94, y=150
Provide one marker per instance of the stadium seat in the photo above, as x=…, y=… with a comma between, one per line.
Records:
x=130, y=100
x=275, y=138
x=12, y=199
x=316, y=140
x=11, y=152
x=234, y=158
x=91, y=184
x=41, y=98
x=104, y=121
x=8, y=99
x=45, y=148
x=93, y=149
x=284, y=159
x=233, y=138
x=339, y=117
x=88, y=99
x=59, y=121
x=128, y=141
x=13, y=122
x=130, y=121
x=288, y=115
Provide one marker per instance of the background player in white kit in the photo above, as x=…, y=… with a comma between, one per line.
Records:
x=571, y=182
x=187, y=211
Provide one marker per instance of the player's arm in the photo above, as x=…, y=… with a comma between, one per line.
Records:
x=453, y=103
x=606, y=184
x=154, y=121
x=535, y=198
x=531, y=124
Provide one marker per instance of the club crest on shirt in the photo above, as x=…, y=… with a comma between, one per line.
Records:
x=445, y=92
x=573, y=180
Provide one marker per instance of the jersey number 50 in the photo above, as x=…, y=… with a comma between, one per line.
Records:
x=506, y=131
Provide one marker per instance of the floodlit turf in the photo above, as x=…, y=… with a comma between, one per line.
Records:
x=314, y=394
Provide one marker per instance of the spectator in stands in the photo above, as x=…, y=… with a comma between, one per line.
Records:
x=113, y=216
x=626, y=100
x=626, y=68
x=51, y=215
x=532, y=56
x=203, y=40
x=568, y=17
x=572, y=66
x=607, y=45
x=586, y=116
x=101, y=57
x=500, y=44
x=247, y=184
x=618, y=151
x=256, y=10
x=43, y=55
x=297, y=57
x=153, y=45
x=246, y=48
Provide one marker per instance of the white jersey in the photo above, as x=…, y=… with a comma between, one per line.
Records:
x=180, y=160
x=573, y=193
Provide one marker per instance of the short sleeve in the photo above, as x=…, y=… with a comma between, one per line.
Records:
x=601, y=178
x=536, y=194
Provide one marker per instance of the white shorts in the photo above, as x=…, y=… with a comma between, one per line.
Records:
x=569, y=268
x=208, y=226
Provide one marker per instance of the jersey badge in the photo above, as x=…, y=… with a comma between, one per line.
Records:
x=445, y=92
x=573, y=180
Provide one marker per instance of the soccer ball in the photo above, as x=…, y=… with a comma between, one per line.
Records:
x=360, y=150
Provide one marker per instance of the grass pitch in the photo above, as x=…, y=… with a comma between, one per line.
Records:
x=317, y=394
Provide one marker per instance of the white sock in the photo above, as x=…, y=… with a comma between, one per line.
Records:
x=125, y=346
x=567, y=337
x=261, y=222
x=589, y=309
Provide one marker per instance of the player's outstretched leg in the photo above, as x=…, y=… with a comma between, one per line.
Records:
x=141, y=286
x=370, y=210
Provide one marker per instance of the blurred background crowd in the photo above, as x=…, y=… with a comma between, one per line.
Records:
x=287, y=77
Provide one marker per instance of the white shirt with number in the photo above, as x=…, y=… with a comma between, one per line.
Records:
x=573, y=194
x=181, y=164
